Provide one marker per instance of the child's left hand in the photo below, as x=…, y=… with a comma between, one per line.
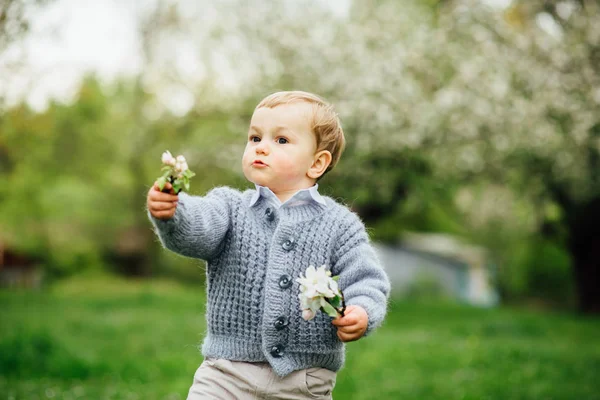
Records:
x=353, y=325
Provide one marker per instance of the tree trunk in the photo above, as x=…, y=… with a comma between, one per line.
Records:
x=585, y=252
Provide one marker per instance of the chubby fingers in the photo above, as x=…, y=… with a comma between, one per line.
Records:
x=155, y=194
x=162, y=205
x=351, y=328
x=162, y=210
x=353, y=325
x=346, y=320
x=167, y=188
x=348, y=337
x=354, y=315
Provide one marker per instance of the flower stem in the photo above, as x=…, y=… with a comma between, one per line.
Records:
x=343, y=304
x=343, y=308
x=171, y=180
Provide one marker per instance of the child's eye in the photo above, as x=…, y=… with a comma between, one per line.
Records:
x=282, y=140
x=254, y=139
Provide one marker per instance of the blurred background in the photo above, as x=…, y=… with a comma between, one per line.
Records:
x=473, y=130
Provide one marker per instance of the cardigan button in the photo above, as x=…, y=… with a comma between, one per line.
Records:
x=270, y=215
x=289, y=244
x=281, y=322
x=285, y=281
x=277, y=351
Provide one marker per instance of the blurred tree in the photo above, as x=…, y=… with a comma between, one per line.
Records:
x=49, y=207
x=441, y=101
x=575, y=62
x=508, y=96
x=15, y=18
x=76, y=177
x=513, y=97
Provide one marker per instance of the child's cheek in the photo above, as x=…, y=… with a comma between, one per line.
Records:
x=289, y=170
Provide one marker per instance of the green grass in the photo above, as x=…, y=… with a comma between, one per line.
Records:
x=113, y=339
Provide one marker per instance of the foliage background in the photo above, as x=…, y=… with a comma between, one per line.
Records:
x=464, y=118
x=461, y=118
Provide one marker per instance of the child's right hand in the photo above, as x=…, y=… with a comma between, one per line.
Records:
x=162, y=205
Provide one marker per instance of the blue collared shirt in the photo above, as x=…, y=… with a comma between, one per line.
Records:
x=302, y=196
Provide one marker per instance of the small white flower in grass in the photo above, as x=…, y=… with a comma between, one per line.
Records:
x=318, y=290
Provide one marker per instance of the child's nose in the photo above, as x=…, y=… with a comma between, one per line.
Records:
x=262, y=147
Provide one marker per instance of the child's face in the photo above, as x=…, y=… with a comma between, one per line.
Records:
x=281, y=147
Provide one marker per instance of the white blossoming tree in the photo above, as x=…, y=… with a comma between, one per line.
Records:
x=507, y=97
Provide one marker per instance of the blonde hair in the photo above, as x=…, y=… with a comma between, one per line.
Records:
x=325, y=123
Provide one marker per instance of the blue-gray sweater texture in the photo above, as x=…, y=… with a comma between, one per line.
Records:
x=254, y=255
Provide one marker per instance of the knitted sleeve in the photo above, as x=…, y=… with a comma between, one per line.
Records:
x=199, y=225
x=362, y=278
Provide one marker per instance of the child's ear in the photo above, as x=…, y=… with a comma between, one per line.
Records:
x=320, y=164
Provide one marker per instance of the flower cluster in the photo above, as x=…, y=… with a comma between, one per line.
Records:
x=175, y=171
x=318, y=290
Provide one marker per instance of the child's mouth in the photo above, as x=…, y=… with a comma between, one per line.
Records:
x=259, y=163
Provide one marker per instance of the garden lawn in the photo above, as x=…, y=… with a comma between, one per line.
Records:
x=107, y=338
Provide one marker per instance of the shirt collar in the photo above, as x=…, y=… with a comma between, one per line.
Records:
x=302, y=196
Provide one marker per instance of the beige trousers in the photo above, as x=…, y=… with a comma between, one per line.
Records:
x=220, y=379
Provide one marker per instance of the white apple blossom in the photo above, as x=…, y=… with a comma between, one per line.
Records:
x=318, y=283
x=181, y=166
x=308, y=314
x=168, y=159
x=315, y=287
x=176, y=172
x=469, y=88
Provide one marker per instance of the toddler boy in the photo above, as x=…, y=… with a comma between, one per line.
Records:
x=258, y=242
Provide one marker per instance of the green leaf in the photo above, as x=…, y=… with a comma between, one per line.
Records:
x=161, y=182
x=335, y=278
x=336, y=301
x=176, y=187
x=328, y=308
x=166, y=174
x=187, y=185
x=166, y=168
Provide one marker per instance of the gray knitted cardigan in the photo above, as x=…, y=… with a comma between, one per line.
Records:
x=254, y=255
